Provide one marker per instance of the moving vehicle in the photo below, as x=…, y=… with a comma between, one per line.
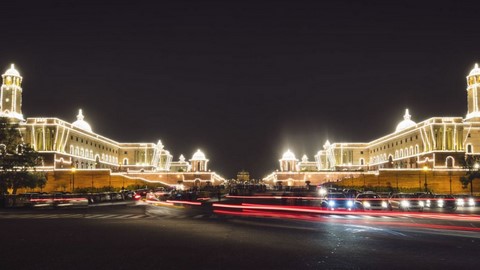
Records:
x=438, y=201
x=370, y=201
x=464, y=200
x=405, y=202
x=335, y=201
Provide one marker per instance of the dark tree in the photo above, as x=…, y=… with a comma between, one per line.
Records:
x=472, y=164
x=17, y=160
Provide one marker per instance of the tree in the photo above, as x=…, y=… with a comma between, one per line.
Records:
x=17, y=160
x=472, y=164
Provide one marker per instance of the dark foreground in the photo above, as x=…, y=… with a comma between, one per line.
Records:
x=145, y=237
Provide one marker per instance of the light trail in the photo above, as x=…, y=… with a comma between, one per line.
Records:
x=265, y=214
x=317, y=210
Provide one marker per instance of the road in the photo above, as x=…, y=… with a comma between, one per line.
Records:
x=173, y=237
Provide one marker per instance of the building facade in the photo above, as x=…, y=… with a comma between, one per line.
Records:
x=438, y=143
x=64, y=145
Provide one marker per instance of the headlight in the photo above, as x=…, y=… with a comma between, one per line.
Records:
x=471, y=202
x=440, y=203
x=366, y=204
x=421, y=203
x=428, y=203
x=349, y=204
x=322, y=192
x=331, y=203
x=405, y=204
x=384, y=204
x=460, y=202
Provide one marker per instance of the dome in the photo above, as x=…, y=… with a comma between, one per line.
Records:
x=80, y=123
x=288, y=155
x=199, y=155
x=406, y=123
x=475, y=71
x=12, y=71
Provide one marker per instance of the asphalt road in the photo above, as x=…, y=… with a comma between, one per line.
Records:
x=152, y=237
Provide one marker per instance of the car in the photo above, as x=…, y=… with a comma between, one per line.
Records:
x=335, y=201
x=464, y=200
x=405, y=202
x=438, y=201
x=370, y=201
x=350, y=193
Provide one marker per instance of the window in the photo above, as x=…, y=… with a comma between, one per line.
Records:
x=469, y=148
x=125, y=152
x=361, y=152
x=71, y=137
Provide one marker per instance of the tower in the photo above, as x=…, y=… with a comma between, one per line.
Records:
x=199, y=162
x=473, y=89
x=288, y=163
x=11, y=95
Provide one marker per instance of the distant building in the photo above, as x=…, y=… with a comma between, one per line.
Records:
x=438, y=143
x=65, y=145
x=243, y=176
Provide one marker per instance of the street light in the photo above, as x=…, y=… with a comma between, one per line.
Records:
x=425, y=169
x=73, y=179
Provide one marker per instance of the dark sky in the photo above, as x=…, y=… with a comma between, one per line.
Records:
x=242, y=80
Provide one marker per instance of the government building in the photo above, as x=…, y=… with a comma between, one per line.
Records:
x=72, y=150
x=435, y=147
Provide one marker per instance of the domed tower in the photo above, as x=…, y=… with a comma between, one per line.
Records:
x=199, y=162
x=406, y=122
x=288, y=163
x=473, y=89
x=80, y=123
x=11, y=95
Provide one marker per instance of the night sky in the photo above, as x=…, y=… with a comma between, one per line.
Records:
x=241, y=80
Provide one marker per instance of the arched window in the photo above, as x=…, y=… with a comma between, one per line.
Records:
x=450, y=162
x=71, y=149
x=91, y=154
x=76, y=151
x=125, y=161
x=469, y=148
x=401, y=152
x=411, y=151
x=417, y=149
x=396, y=153
x=82, y=153
x=362, y=161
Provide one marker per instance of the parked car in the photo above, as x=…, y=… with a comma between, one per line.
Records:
x=370, y=201
x=405, y=202
x=337, y=201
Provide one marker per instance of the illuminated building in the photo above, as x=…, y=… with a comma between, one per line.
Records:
x=65, y=145
x=437, y=143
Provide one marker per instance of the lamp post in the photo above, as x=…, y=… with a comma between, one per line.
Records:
x=73, y=179
x=476, y=166
x=450, y=174
x=425, y=184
